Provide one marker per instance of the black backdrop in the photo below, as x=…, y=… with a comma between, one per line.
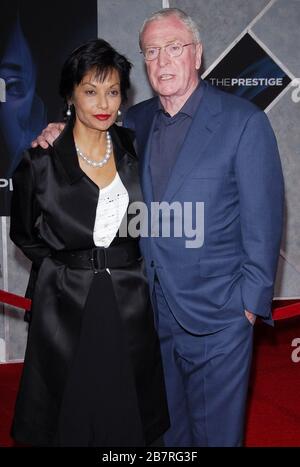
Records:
x=35, y=39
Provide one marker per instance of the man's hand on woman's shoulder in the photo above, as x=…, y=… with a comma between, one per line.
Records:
x=48, y=135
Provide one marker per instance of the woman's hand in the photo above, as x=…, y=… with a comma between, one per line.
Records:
x=48, y=135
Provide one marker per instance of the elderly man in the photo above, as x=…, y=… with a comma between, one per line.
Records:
x=198, y=144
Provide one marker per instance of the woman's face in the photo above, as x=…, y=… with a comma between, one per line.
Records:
x=97, y=102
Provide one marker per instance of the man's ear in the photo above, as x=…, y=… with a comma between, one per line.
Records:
x=198, y=55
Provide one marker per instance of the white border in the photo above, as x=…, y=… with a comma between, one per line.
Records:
x=285, y=257
x=277, y=98
x=249, y=31
x=287, y=298
x=238, y=38
x=280, y=64
x=271, y=54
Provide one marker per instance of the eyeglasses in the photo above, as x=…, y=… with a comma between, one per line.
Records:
x=173, y=50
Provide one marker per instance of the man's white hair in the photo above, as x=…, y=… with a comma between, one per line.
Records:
x=164, y=13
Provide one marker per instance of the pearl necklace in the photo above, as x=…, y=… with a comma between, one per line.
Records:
x=103, y=161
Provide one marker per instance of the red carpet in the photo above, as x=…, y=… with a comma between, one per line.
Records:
x=274, y=404
x=9, y=382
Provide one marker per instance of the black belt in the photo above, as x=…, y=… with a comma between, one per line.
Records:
x=99, y=258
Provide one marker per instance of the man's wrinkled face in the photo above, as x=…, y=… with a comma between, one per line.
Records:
x=172, y=76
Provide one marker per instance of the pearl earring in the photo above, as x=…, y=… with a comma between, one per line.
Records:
x=69, y=113
x=119, y=113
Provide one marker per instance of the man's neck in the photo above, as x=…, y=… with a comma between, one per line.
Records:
x=173, y=104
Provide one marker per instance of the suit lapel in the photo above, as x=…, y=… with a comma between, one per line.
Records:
x=200, y=134
x=144, y=127
x=146, y=176
x=65, y=151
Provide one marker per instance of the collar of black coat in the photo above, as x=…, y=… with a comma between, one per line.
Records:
x=64, y=148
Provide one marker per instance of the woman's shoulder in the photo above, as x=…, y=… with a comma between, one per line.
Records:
x=126, y=133
x=32, y=154
x=32, y=157
x=37, y=156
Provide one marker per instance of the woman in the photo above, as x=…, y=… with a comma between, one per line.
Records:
x=92, y=372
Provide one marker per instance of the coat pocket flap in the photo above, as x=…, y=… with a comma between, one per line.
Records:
x=221, y=266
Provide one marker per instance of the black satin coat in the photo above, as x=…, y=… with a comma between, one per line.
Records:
x=53, y=208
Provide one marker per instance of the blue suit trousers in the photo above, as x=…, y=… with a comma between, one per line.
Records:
x=206, y=379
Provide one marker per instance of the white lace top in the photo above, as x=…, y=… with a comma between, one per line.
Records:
x=112, y=205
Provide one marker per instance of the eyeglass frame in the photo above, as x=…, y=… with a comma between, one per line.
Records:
x=165, y=47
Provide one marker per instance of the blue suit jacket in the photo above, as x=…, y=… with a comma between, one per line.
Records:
x=229, y=160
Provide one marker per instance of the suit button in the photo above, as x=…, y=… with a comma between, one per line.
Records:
x=152, y=264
